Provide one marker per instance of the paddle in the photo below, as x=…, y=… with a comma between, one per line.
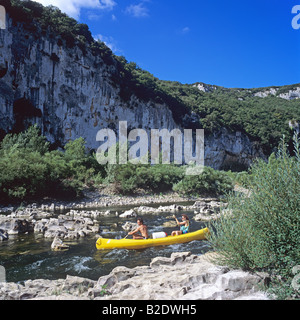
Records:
x=175, y=218
x=126, y=236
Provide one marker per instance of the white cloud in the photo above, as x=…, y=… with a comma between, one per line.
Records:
x=185, y=30
x=137, y=10
x=73, y=7
x=93, y=16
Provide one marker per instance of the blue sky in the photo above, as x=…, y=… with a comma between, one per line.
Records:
x=228, y=43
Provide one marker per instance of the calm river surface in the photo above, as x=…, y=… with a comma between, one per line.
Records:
x=30, y=257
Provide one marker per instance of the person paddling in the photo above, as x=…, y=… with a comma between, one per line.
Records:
x=184, y=225
x=142, y=229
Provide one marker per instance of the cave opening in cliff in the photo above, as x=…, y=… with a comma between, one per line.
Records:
x=23, y=109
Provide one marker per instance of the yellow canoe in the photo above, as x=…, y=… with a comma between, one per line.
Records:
x=107, y=244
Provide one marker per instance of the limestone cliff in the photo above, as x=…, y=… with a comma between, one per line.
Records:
x=70, y=93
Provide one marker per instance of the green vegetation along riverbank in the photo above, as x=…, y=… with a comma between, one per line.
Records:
x=29, y=171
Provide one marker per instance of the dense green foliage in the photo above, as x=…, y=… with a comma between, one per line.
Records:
x=28, y=170
x=30, y=140
x=134, y=80
x=264, y=120
x=50, y=21
x=129, y=178
x=210, y=182
x=263, y=231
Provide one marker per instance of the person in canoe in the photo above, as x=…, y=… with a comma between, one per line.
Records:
x=141, y=232
x=184, y=225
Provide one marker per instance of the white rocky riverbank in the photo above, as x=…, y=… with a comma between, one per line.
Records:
x=102, y=200
x=78, y=223
x=99, y=199
x=183, y=276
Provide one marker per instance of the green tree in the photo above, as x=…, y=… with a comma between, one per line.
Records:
x=31, y=140
x=22, y=174
x=75, y=151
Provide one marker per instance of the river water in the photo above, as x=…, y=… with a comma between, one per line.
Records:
x=30, y=257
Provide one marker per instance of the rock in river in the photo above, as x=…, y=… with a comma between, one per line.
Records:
x=58, y=245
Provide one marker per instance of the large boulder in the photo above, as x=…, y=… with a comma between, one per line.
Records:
x=16, y=226
x=24, y=226
x=128, y=214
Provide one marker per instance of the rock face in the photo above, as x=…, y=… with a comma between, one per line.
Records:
x=183, y=276
x=289, y=95
x=224, y=150
x=70, y=94
x=71, y=288
x=205, y=87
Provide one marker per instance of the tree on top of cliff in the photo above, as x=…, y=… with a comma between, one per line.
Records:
x=33, y=13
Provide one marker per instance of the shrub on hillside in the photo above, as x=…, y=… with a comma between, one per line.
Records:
x=209, y=182
x=262, y=231
x=31, y=140
x=29, y=170
x=129, y=178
